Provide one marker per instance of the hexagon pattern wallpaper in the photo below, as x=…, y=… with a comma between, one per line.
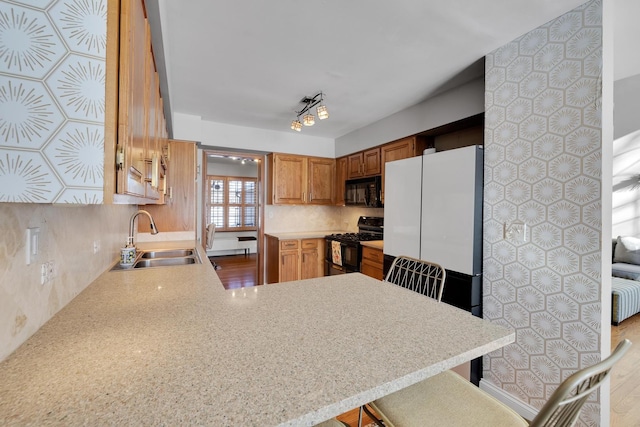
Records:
x=52, y=95
x=542, y=169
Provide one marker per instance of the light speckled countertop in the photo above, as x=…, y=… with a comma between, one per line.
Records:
x=169, y=346
x=376, y=244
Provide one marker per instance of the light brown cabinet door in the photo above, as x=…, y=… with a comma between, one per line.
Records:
x=131, y=108
x=289, y=179
x=340, y=178
x=355, y=166
x=312, y=261
x=371, y=159
x=289, y=265
x=372, y=262
x=321, y=179
x=299, y=180
x=152, y=153
x=364, y=163
x=309, y=264
x=178, y=213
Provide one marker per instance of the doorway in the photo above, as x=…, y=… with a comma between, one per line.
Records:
x=232, y=199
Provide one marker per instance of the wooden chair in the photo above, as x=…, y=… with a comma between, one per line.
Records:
x=448, y=399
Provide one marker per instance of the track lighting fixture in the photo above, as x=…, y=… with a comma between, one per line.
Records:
x=307, y=118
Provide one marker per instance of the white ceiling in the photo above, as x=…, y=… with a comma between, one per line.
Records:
x=250, y=62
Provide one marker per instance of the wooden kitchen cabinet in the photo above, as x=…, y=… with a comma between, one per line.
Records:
x=289, y=261
x=141, y=123
x=312, y=258
x=294, y=259
x=364, y=163
x=372, y=263
x=401, y=149
x=178, y=213
x=340, y=179
x=300, y=180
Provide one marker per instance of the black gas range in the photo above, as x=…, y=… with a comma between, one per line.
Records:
x=344, y=252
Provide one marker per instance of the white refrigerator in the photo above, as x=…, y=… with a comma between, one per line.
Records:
x=433, y=211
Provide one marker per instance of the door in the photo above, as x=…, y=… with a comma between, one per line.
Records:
x=237, y=204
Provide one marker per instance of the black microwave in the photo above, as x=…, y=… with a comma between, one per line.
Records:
x=364, y=192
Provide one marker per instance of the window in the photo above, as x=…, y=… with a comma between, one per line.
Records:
x=232, y=203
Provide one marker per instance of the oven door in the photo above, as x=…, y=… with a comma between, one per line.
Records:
x=332, y=269
x=350, y=258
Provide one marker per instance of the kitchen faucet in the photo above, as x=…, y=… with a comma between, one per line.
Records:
x=154, y=229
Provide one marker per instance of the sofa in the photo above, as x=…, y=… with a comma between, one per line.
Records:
x=625, y=282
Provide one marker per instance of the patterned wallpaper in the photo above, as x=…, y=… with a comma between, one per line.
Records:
x=52, y=94
x=542, y=168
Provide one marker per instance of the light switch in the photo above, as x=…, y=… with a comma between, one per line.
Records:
x=33, y=237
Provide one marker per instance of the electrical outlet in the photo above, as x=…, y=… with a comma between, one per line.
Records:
x=96, y=246
x=43, y=273
x=51, y=272
x=33, y=237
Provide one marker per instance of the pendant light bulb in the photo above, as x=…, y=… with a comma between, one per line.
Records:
x=296, y=125
x=308, y=120
x=323, y=113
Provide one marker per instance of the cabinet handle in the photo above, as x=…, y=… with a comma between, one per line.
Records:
x=120, y=159
x=310, y=196
x=154, y=171
x=304, y=196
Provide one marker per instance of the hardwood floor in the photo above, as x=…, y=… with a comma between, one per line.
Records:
x=237, y=271
x=625, y=376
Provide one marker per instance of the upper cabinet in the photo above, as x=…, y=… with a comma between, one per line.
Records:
x=178, y=213
x=364, y=163
x=55, y=115
x=93, y=87
x=142, y=144
x=401, y=149
x=299, y=180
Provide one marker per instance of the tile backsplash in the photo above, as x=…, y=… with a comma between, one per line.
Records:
x=285, y=219
x=67, y=236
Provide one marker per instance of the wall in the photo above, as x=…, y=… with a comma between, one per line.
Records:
x=67, y=235
x=626, y=158
x=52, y=80
x=212, y=134
x=543, y=160
x=293, y=219
x=456, y=104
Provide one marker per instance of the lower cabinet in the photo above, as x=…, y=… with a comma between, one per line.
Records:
x=294, y=259
x=372, y=262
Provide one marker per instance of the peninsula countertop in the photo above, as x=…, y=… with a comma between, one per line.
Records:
x=171, y=346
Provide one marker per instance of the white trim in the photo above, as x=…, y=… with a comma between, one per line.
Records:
x=526, y=411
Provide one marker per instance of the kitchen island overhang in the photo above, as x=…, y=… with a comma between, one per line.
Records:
x=171, y=346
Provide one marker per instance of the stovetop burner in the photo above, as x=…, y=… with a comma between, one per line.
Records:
x=354, y=237
x=369, y=228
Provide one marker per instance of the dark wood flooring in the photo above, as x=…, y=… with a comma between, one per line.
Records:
x=237, y=271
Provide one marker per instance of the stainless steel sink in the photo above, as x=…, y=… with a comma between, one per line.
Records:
x=163, y=262
x=168, y=253
x=162, y=258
